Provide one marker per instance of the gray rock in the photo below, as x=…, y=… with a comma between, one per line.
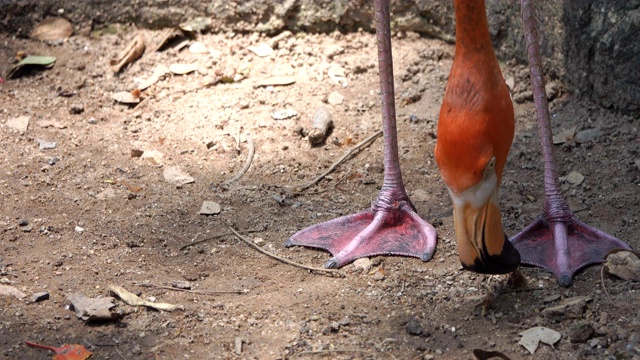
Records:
x=413, y=327
x=40, y=296
x=571, y=308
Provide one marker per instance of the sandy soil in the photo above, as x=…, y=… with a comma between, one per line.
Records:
x=135, y=224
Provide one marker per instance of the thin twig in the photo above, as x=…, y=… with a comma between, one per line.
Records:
x=219, y=235
x=351, y=151
x=289, y=262
x=320, y=352
x=604, y=286
x=247, y=164
x=215, y=292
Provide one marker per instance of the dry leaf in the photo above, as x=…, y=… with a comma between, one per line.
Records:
x=134, y=300
x=52, y=29
x=172, y=34
x=182, y=69
x=158, y=73
x=531, y=338
x=261, y=50
x=624, y=264
x=131, y=53
x=65, y=352
x=276, y=81
x=90, y=309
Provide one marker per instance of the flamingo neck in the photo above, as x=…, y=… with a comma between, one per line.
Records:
x=472, y=31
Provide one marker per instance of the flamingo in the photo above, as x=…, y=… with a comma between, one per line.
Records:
x=475, y=132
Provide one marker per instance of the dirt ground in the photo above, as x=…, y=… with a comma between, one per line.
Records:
x=87, y=214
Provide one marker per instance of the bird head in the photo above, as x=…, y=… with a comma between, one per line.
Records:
x=471, y=158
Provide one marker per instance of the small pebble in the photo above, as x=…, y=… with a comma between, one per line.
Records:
x=581, y=332
x=79, y=230
x=413, y=327
x=23, y=222
x=40, y=296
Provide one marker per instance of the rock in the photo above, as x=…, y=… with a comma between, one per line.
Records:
x=175, y=175
x=198, y=48
x=76, y=109
x=335, y=98
x=363, y=264
x=209, y=208
x=564, y=136
x=45, y=145
x=574, y=178
x=552, y=90
x=571, y=308
x=79, y=230
x=581, y=332
x=587, y=135
x=20, y=123
x=23, y=222
x=320, y=127
x=413, y=327
x=179, y=284
x=40, y=296
x=378, y=276
x=623, y=264
x=284, y=114
x=523, y=96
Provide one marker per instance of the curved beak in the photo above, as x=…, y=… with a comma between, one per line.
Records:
x=482, y=244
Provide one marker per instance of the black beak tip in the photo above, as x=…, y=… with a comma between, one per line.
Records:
x=505, y=262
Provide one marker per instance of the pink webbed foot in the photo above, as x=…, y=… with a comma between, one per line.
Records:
x=564, y=247
x=396, y=230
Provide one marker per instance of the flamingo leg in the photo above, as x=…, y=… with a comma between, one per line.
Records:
x=557, y=241
x=391, y=226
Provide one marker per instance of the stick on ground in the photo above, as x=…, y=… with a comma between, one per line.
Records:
x=344, y=157
x=247, y=165
x=289, y=262
x=219, y=235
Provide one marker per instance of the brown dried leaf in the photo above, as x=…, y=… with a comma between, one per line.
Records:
x=172, y=34
x=52, y=29
x=131, y=53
